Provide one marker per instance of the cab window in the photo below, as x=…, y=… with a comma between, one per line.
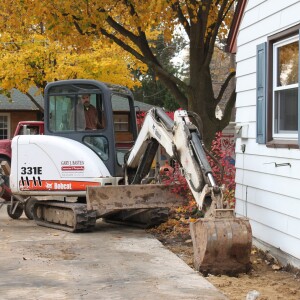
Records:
x=122, y=126
x=73, y=113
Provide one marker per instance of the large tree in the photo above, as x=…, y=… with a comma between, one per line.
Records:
x=133, y=25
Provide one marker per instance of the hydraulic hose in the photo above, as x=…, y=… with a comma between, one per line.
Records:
x=164, y=118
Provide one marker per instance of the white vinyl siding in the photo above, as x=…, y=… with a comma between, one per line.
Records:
x=268, y=179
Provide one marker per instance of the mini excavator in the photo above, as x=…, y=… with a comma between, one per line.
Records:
x=71, y=176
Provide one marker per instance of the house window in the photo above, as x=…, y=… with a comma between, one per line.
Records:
x=285, y=88
x=4, y=126
x=121, y=111
x=277, y=90
x=121, y=121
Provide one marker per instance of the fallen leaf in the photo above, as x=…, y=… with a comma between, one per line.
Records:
x=276, y=267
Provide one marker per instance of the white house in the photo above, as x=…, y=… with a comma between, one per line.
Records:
x=266, y=36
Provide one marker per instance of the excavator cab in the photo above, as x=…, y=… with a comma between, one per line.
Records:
x=106, y=124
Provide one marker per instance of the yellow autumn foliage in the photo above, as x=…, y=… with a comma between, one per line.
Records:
x=36, y=61
x=77, y=20
x=47, y=40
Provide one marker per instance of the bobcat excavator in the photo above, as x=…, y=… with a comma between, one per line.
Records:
x=104, y=173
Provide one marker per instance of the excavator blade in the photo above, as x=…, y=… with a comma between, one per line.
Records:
x=108, y=199
x=222, y=245
x=138, y=205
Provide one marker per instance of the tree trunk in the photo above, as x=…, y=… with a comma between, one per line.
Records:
x=202, y=102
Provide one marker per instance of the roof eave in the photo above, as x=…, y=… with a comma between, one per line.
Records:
x=235, y=25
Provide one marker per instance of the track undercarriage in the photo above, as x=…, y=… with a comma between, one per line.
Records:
x=139, y=205
x=68, y=216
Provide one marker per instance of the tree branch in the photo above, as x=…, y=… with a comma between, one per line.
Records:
x=224, y=86
x=123, y=31
x=155, y=66
x=202, y=17
x=211, y=41
x=35, y=102
x=173, y=88
x=182, y=19
x=78, y=28
x=227, y=111
x=188, y=4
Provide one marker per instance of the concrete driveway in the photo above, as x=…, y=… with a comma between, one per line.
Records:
x=112, y=262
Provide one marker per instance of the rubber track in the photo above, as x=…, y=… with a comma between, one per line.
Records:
x=84, y=220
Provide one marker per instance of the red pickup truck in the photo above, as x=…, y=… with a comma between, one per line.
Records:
x=24, y=127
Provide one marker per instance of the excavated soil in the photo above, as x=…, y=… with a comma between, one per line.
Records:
x=267, y=279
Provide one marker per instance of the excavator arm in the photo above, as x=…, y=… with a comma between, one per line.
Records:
x=221, y=241
x=183, y=143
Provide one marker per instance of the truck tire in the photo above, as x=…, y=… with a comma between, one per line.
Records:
x=17, y=213
x=4, y=158
x=5, y=178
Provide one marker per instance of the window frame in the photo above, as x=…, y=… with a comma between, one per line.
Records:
x=293, y=135
x=121, y=121
x=8, y=125
x=278, y=140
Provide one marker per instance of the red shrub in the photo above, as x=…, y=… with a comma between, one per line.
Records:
x=223, y=148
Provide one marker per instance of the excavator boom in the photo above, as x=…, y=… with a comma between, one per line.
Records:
x=182, y=141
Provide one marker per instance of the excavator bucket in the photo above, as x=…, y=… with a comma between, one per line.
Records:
x=222, y=244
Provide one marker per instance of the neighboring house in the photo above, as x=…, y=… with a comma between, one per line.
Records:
x=265, y=35
x=17, y=108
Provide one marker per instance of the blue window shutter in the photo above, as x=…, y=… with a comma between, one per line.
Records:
x=261, y=87
x=299, y=92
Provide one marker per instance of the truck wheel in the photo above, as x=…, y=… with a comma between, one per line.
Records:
x=29, y=205
x=17, y=213
x=5, y=177
x=4, y=194
x=4, y=158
